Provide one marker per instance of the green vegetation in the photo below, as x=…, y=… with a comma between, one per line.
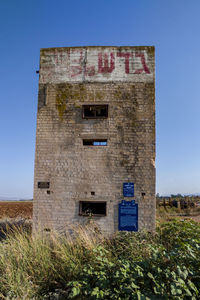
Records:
x=88, y=265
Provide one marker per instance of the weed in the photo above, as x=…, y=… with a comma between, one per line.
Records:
x=85, y=264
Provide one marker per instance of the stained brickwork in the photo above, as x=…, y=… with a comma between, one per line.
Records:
x=123, y=79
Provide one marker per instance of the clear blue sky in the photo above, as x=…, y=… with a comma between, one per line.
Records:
x=172, y=26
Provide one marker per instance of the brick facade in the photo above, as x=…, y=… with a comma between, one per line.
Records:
x=123, y=79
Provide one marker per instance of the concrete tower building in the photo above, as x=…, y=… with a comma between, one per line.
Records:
x=95, y=134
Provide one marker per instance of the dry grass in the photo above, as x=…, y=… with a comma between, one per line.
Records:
x=31, y=265
x=77, y=263
x=169, y=213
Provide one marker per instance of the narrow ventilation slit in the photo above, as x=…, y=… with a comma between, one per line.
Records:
x=95, y=142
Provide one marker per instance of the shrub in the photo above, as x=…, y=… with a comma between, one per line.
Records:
x=88, y=265
x=142, y=266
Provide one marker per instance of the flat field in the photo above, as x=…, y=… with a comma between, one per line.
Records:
x=24, y=209
x=16, y=209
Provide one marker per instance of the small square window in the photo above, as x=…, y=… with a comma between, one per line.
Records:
x=87, y=208
x=95, y=111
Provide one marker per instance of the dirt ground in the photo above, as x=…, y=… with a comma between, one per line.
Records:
x=16, y=209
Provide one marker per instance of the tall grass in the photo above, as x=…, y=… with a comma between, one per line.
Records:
x=34, y=265
x=90, y=265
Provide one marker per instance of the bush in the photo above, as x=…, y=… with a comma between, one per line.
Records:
x=87, y=265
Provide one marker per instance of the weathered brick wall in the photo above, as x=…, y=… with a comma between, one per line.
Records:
x=123, y=78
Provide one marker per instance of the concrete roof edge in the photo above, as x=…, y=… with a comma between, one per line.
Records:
x=53, y=48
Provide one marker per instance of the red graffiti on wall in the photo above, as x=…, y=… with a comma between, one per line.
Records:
x=78, y=66
x=76, y=63
x=60, y=57
x=106, y=63
x=126, y=56
x=130, y=57
x=144, y=65
x=90, y=70
x=103, y=63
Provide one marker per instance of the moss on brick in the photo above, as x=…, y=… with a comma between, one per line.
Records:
x=61, y=104
x=66, y=92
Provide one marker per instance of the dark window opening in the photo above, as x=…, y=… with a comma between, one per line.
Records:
x=43, y=185
x=96, y=142
x=95, y=111
x=92, y=193
x=87, y=208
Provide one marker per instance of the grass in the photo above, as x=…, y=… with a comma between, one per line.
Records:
x=35, y=265
x=164, y=214
x=90, y=265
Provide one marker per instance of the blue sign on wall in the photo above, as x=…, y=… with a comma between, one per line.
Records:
x=128, y=216
x=128, y=189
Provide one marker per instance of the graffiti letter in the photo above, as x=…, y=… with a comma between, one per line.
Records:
x=90, y=71
x=145, y=68
x=126, y=56
x=76, y=64
x=60, y=57
x=103, y=66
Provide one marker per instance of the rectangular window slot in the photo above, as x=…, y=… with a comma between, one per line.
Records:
x=96, y=142
x=87, y=208
x=43, y=185
x=95, y=111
